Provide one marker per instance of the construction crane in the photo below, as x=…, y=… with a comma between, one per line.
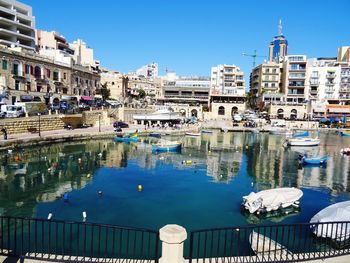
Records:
x=254, y=56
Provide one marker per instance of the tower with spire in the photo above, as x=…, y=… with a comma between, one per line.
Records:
x=278, y=46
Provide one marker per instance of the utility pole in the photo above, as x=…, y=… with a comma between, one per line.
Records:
x=254, y=56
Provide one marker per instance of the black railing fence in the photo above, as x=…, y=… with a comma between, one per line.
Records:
x=270, y=243
x=76, y=241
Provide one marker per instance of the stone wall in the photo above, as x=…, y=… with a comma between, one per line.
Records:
x=97, y=117
x=31, y=124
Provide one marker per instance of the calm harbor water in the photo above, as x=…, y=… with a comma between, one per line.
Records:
x=206, y=193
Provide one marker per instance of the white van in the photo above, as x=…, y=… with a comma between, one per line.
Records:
x=13, y=111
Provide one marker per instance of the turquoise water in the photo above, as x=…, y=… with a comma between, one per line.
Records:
x=204, y=194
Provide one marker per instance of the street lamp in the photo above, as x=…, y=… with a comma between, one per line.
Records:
x=99, y=122
x=39, y=114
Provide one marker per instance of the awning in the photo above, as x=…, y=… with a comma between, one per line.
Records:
x=85, y=98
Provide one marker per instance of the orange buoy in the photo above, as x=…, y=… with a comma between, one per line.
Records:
x=17, y=158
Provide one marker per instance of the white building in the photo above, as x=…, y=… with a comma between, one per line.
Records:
x=227, y=80
x=83, y=55
x=149, y=71
x=17, y=25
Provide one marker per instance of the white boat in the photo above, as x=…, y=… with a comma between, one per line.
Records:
x=272, y=199
x=159, y=115
x=262, y=244
x=303, y=141
x=193, y=133
x=339, y=212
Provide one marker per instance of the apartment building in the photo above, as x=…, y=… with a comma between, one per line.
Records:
x=51, y=40
x=25, y=75
x=149, y=71
x=115, y=83
x=17, y=25
x=278, y=48
x=227, y=91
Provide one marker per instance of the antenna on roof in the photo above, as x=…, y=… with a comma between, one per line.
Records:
x=280, y=28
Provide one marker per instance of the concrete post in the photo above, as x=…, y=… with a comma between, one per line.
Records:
x=50, y=112
x=172, y=237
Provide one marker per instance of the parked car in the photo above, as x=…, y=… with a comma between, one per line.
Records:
x=2, y=114
x=120, y=124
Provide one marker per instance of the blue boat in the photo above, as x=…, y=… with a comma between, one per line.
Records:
x=167, y=147
x=345, y=133
x=127, y=138
x=155, y=135
x=315, y=160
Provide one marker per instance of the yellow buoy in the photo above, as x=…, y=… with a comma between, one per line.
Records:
x=188, y=162
x=139, y=187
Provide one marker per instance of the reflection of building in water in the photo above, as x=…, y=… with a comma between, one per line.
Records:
x=44, y=174
x=222, y=166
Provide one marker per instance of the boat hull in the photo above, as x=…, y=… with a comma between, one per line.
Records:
x=155, y=135
x=303, y=142
x=121, y=139
x=322, y=160
x=167, y=148
x=192, y=134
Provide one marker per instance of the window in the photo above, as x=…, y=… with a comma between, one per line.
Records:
x=273, y=85
x=48, y=73
x=27, y=69
x=274, y=70
x=64, y=75
x=16, y=84
x=266, y=85
x=221, y=110
x=4, y=64
x=55, y=75
x=267, y=70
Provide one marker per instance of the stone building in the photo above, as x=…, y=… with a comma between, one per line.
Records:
x=25, y=75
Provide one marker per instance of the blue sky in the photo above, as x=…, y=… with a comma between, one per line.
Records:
x=190, y=36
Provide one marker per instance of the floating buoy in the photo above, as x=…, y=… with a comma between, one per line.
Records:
x=252, y=184
x=79, y=160
x=209, y=151
x=66, y=197
x=9, y=150
x=246, y=147
x=139, y=188
x=100, y=193
x=100, y=154
x=183, y=161
x=49, y=216
x=88, y=175
x=188, y=162
x=49, y=169
x=17, y=158
x=84, y=216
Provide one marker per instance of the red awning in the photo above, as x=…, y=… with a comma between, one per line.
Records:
x=85, y=98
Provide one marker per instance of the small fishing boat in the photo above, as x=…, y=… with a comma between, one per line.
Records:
x=345, y=150
x=155, y=135
x=167, y=146
x=303, y=141
x=127, y=138
x=206, y=131
x=261, y=244
x=272, y=199
x=314, y=160
x=339, y=212
x=192, y=134
x=301, y=134
x=345, y=133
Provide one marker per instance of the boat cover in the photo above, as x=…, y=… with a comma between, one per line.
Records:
x=272, y=199
x=339, y=212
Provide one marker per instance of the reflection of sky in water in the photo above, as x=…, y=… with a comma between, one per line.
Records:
x=206, y=193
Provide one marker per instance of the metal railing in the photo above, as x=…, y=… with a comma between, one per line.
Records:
x=54, y=240
x=270, y=243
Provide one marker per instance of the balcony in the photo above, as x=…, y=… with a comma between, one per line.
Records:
x=313, y=92
x=346, y=90
x=328, y=83
x=330, y=90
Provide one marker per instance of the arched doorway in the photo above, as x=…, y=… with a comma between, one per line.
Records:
x=194, y=113
x=280, y=113
x=293, y=114
x=221, y=110
x=234, y=110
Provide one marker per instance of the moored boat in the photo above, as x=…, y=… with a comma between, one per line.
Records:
x=314, y=160
x=342, y=133
x=272, y=199
x=345, y=150
x=280, y=131
x=166, y=146
x=155, y=135
x=192, y=134
x=303, y=141
x=261, y=244
x=127, y=138
x=339, y=212
x=206, y=131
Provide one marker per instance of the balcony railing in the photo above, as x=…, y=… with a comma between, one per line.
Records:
x=330, y=76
